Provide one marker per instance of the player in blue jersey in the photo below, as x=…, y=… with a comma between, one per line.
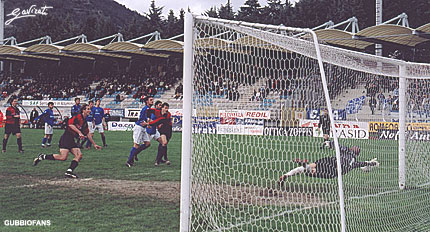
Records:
x=98, y=122
x=141, y=139
x=48, y=117
x=76, y=108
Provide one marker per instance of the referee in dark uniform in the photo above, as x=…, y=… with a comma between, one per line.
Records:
x=12, y=124
x=324, y=123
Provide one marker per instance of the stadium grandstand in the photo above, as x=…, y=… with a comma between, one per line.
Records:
x=121, y=73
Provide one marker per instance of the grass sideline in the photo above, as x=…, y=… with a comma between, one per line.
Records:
x=24, y=194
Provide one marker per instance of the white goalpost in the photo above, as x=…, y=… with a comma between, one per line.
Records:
x=255, y=156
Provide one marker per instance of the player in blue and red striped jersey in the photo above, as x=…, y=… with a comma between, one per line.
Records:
x=48, y=117
x=164, y=127
x=77, y=127
x=12, y=124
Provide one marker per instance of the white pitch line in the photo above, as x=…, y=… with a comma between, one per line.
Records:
x=310, y=207
x=20, y=186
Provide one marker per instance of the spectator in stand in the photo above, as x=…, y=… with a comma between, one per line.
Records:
x=381, y=99
x=372, y=104
x=390, y=104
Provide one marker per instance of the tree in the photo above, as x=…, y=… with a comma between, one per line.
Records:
x=212, y=12
x=155, y=17
x=250, y=11
x=226, y=12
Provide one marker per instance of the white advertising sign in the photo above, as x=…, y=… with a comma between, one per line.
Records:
x=255, y=114
x=121, y=126
x=344, y=129
x=45, y=103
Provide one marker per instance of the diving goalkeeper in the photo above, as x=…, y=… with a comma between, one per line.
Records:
x=327, y=167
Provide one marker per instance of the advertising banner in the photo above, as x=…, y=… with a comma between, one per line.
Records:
x=132, y=113
x=314, y=114
x=121, y=126
x=45, y=103
x=289, y=131
x=390, y=130
x=344, y=129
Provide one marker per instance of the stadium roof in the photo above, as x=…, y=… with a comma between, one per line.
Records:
x=131, y=49
x=90, y=50
x=165, y=45
x=52, y=50
x=383, y=33
x=341, y=38
x=255, y=42
x=14, y=53
x=392, y=34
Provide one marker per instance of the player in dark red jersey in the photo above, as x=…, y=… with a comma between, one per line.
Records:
x=12, y=125
x=77, y=127
x=164, y=127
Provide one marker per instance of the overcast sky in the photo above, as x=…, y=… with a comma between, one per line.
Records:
x=196, y=6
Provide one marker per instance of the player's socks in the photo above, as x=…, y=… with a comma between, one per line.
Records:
x=4, y=144
x=49, y=140
x=43, y=141
x=73, y=165
x=19, y=142
x=48, y=157
x=131, y=156
x=159, y=154
x=104, y=139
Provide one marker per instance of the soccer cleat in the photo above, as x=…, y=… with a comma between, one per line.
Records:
x=135, y=158
x=128, y=164
x=168, y=162
x=48, y=144
x=4, y=151
x=38, y=159
x=70, y=174
x=105, y=145
x=21, y=151
x=43, y=145
x=156, y=164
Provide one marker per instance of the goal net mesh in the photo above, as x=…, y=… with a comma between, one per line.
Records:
x=257, y=99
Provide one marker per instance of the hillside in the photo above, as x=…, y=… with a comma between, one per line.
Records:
x=95, y=18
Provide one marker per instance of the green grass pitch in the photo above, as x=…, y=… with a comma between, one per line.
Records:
x=111, y=197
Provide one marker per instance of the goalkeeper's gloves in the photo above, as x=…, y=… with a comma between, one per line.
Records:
x=370, y=165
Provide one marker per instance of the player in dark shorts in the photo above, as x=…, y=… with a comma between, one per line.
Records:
x=12, y=125
x=324, y=123
x=77, y=127
x=327, y=167
x=165, y=129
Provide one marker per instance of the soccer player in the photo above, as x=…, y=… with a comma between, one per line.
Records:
x=324, y=123
x=165, y=130
x=48, y=116
x=76, y=108
x=157, y=105
x=98, y=122
x=89, y=120
x=327, y=167
x=12, y=125
x=141, y=139
x=77, y=127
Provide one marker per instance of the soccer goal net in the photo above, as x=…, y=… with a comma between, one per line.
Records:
x=260, y=152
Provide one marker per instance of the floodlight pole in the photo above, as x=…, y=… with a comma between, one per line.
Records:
x=378, y=47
